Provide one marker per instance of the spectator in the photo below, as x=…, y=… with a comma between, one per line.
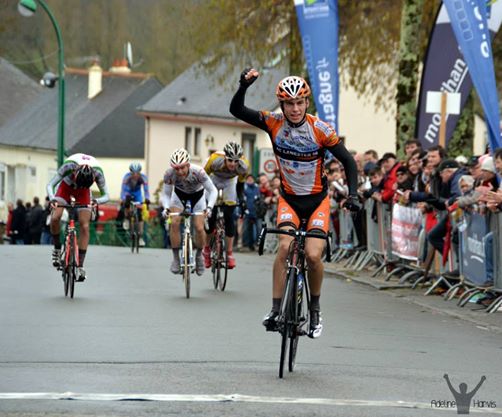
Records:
x=250, y=232
x=488, y=174
x=27, y=224
x=37, y=222
x=404, y=180
x=18, y=225
x=8, y=225
x=370, y=156
x=46, y=238
x=410, y=146
x=390, y=166
x=450, y=174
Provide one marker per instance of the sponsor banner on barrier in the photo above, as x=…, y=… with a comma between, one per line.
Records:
x=473, y=248
x=406, y=225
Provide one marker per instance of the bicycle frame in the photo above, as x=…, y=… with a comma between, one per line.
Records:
x=134, y=225
x=219, y=251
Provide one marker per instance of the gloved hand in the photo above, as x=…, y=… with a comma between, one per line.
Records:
x=352, y=203
x=248, y=77
x=165, y=213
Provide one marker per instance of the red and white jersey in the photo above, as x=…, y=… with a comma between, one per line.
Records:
x=299, y=151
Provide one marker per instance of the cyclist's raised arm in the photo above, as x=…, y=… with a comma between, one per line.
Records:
x=237, y=107
x=341, y=153
x=103, y=189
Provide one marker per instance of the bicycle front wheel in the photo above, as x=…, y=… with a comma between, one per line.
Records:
x=73, y=265
x=222, y=265
x=215, y=255
x=286, y=319
x=187, y=253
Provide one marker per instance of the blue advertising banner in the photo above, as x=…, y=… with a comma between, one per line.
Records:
x=473, y=248
x=445, y=69
x=318, y=22
x=469, y=22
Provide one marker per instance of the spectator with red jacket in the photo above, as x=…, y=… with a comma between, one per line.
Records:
x=389, y=166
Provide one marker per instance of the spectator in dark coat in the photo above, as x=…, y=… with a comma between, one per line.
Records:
x=37, y=222
x=250, y=232
x=18, y=225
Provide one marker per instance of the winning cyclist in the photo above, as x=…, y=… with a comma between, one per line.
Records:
x=228, y=171
x=185, y=182
x=299, y=141
x=74, y=179
x=131, y=191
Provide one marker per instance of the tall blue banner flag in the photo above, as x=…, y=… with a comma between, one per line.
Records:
x=446, y=69
x=470, y=25
x=318, y=21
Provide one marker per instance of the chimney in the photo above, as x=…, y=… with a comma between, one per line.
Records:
x=121, y=66
x=95, y=77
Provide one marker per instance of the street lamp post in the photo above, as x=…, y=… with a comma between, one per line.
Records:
x=28, y=8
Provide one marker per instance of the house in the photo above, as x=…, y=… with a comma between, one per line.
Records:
x=17, y=90
x=105, y=126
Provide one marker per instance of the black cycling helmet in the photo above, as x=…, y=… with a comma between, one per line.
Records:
x=84, y=176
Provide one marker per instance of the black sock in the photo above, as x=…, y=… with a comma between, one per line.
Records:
x=314, y=303
x=176, y=253
x=56, y=241
x=276, y=304
x=81, y=257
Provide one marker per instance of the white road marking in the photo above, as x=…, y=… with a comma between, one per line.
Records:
x=226, y=398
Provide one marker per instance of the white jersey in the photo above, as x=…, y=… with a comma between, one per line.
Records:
x=196, y=180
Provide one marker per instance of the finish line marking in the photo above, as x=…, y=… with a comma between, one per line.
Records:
x=237, y=398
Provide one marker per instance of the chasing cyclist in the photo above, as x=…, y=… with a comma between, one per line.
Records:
x=228, y=171
x=132, y=183
x=299, y=141
x=185, y=182
x=74, y=179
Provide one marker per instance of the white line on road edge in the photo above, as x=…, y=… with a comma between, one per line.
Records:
x=223, y=398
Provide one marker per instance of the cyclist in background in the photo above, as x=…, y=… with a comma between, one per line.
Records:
x=185, y=182
x=132, y=183
x=74, y=179
x=228, y=171
x=299, y=141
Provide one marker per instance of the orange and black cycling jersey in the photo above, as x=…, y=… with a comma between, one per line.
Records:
x=299, y=149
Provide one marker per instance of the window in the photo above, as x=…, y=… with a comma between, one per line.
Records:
x=193, y=140
x=188, y=139
x=2, y=182
x=248, y=141
x=197, y=142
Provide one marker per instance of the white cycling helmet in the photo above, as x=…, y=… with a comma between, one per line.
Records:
x=292, y=87
x=180, y=157
x=135, y=167
x=233, y=150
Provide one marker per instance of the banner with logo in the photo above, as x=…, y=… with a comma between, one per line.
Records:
x=469, y=20
x=446, y=69
x=318, y=22
x=473, y=249
x=406, y=226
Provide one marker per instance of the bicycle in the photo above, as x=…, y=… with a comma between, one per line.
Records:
x=295, y=305
x=218, y=247
x=134, y=225
x=187, y=261
x=69, y=255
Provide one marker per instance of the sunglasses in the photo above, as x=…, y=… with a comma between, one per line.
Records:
x=233, y=160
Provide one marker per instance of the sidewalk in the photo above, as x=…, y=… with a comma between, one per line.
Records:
x=434, y=303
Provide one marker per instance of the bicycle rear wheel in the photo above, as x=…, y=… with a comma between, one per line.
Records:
x=73, y=266
x=186, y=263
x=222, y=265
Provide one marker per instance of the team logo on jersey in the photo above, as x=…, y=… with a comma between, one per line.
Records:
x=320, y=214
x=318, y=222
x=284, y=209
x=287, y=216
